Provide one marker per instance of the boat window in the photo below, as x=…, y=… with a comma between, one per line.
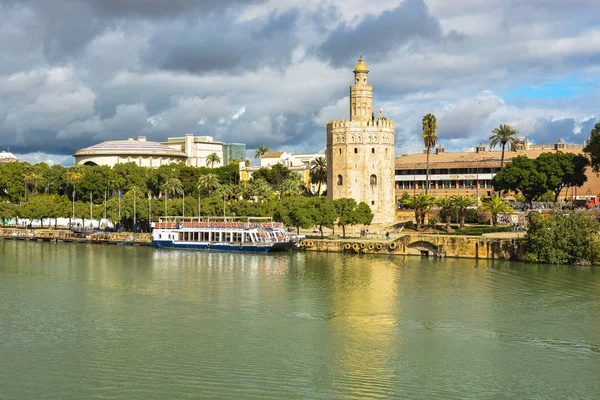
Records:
x=159, y=236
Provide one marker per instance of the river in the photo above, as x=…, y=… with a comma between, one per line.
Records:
x=82, y=321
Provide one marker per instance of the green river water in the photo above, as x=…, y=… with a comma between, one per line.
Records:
x=111, y=322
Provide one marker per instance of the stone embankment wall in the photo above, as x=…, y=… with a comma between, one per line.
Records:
x=425, y=245
x=67, y=236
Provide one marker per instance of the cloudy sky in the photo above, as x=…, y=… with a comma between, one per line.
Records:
x=272, y=72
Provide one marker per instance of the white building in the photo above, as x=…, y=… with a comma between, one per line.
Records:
x=197, y=149
x=190, y=149
x=6, y=157
x=299, y=163
x=142, y=152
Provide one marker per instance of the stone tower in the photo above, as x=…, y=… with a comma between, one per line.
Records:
x=360, y=153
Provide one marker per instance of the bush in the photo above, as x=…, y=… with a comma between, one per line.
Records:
x=562, y=239
x=484, y=217
x=480, y=230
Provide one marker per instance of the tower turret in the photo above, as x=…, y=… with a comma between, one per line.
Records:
x=361, y=94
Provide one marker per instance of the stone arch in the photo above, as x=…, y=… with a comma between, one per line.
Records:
x=422, y=247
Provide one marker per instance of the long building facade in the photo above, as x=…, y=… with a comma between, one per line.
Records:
x=360, y=153
x=471, y=173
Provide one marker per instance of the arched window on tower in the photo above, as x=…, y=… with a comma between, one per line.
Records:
x=355, y=150
x=340, y=180
x=372, y=149
x=373, y=180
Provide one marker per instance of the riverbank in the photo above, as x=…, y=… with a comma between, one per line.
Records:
x=63, y=235
x=500, y=246
x=504, y=246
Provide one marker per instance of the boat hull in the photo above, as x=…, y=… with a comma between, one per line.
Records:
x=246, y=248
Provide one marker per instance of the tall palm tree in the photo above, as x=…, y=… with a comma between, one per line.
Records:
x=318, y=172
x=34, y=180
x=261, y=151
x=212, y=158
x=495, y=205
x=421, y=204
x=291, y=186
x=261, y=189
x=462, y=203
x=172, y=186
x=208, y=182
x=503, y=135
x=445, y=204
x=429, y=139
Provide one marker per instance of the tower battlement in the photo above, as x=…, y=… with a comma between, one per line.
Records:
x=344, y=123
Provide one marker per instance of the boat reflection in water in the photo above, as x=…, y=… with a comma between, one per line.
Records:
x=248, y=234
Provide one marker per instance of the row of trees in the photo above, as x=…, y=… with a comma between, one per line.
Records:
x=21, y=180
x=549, y=172
x=422, y=203
x=296, y=211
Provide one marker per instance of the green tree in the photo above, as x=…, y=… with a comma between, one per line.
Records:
x=562, y=170
x=324, y=212
x=212, y=159
x=261, y=189
x=495, y=205
x=173, y=187
x=363, y=214
x=295, y=211
x=429, y=139
x=446, y=205
x=592, y=149
x=562, y=239
x=421, y=203
x=291, y=186
x=8, y=211
x=12, y=185
x=521, y=175
x=318, y=173
x=208, y=183
x=33, y=178
x=261, y=151
x=462, y=203
x=503, y=135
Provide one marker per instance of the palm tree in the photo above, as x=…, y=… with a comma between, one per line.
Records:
x=34, y=180
x=243, y=190
x=212, y=158
x=172, y=186
x=208, y=182
x=429, y=138
x=74, y=175
x=261, y=151
x=502, y=135
x=261, y=189
x=421, y=204
x=229, y=191
x=462, y=203
x=495, y=205
x=445, y=204
x=291, y=186
x=318, y=172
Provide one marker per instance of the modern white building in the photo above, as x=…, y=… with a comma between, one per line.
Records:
x=140, y=151
x=192, y=150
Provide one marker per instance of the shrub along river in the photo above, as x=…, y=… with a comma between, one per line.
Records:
x=84, y=321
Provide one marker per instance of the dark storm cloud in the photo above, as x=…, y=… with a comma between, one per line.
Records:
x=551, y=131
x=220, y=43
x=67, y=26
x=377, y=35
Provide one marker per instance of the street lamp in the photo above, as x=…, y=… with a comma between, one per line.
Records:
x=183, y=202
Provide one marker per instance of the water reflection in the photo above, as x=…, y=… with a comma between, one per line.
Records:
x=140, y=323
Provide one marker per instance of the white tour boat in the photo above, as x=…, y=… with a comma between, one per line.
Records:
x=250, y=234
